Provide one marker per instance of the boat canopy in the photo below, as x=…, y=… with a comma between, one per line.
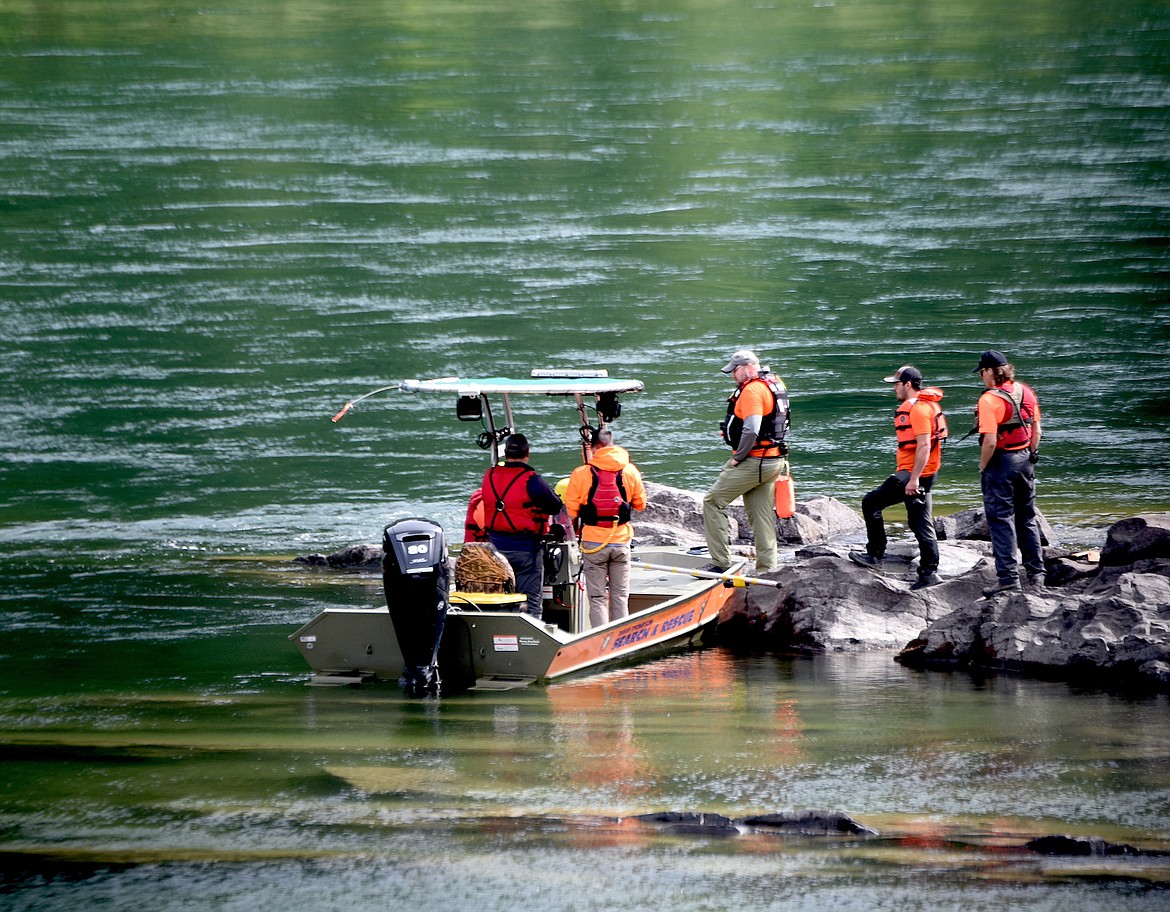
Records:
x=552, y=384
x=473, y=403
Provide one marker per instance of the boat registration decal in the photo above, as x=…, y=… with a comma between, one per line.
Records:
x=506, y=643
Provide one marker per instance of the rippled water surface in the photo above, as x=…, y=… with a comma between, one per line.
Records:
x=220, y=222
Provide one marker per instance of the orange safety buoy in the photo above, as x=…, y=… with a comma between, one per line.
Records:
x=785, y=497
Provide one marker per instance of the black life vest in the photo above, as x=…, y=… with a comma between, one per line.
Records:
x=607, y=504
x=507, y=507
x=774, y=425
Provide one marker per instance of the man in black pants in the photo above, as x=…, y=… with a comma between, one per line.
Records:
x=918, y=428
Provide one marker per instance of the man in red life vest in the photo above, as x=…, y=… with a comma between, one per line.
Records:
x=1008, y=422
x=917, y=427
x=517, y=504
x=755, y=426
x=601, y=494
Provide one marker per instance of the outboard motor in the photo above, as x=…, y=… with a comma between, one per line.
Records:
x=416, y=578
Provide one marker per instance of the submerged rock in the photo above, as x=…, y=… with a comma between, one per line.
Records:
x=1079, y=845
x=353, y=557
x=805, y=823
x=784, y=823
x=689, y=823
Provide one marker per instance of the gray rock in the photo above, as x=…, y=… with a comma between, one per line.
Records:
x=971, y=525
x=825, y=602
x=675, y=517
x=1112, y=625
x=819, y=519
x=1103, y=622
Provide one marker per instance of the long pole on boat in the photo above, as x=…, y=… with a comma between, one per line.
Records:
x=729, y=578
x=350, y=405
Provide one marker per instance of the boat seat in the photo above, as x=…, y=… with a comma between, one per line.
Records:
x=488, y=601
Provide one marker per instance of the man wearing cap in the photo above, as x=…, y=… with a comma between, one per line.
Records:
x=755, y=426
x=517, y=503
x=919, y=455
x=1007, y=418
x=601, y=495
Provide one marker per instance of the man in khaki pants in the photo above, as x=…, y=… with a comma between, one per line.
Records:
x=601, y=494
x=756, y=422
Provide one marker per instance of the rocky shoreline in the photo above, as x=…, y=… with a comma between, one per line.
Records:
x=1103, y=619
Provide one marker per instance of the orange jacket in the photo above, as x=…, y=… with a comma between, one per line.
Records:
x=607, y=459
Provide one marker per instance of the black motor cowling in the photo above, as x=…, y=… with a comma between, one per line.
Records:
x=416, y=578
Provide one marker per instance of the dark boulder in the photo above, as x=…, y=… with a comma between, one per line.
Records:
x=1137, y=538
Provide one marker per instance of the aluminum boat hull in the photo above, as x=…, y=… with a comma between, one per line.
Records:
x=486, y=648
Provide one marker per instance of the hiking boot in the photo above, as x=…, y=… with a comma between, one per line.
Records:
x=866, y=560
x=1038, y=582
x=713, y=568
x=929, y=579
x=1002, y=586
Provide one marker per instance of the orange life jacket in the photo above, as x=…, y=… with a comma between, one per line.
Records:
x=931, y=395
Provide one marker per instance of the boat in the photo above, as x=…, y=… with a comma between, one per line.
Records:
x=433, y=637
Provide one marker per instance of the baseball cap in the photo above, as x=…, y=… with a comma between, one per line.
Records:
x=516, y=446
x=739, y=359
x=905, y=374
x=990, y=358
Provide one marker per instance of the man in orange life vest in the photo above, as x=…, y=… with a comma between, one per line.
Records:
x=756, y=422
x=1008, y=422
x=602, y=493
x=517, y=504
x=918, y=432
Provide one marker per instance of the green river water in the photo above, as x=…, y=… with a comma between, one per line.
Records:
x=221, y=221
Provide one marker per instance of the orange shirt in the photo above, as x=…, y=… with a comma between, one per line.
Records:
x=756, y=399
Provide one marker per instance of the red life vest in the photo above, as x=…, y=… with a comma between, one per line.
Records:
x=607, y=504
x=507, y=507
x=1016, y=432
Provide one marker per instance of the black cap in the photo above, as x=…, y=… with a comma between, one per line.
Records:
x=907, y=374
x=516, y=447
x=990, y=358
